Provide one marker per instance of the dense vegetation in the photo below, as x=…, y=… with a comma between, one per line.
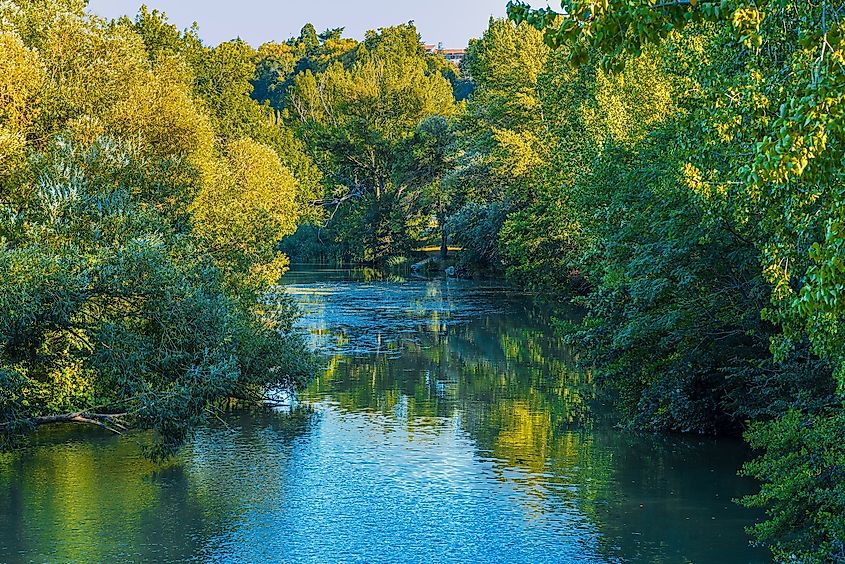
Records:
x=142, y=192
x=372, y=116
x=675, y=166
x=711, y=237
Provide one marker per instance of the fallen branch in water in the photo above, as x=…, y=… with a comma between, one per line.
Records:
x=108, y=421
x=275, y=403
x=262, y=401
x=259, y=398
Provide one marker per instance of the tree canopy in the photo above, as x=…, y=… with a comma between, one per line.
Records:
x=139, y=227
x=753, y=152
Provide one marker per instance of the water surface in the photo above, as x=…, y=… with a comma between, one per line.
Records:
x=448, y=425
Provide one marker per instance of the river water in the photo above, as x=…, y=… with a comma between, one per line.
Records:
x=447, y=426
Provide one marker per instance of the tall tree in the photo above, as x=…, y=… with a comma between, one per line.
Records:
x=429, y=158
x=355, y=117
x=126, y=301
x=501, y=136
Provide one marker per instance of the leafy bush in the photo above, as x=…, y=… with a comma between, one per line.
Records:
x=803, y=475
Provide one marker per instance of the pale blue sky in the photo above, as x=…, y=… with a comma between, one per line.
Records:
x=453, y=22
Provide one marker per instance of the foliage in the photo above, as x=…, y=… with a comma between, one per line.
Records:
x=424, y=166
x=780, y=62
x=501, y=145
x=248, y=205
x=475, y=227
x=753, y=171
x=128, y=298
x=803, y=486
x=223, y=81
x=356, y=117
x=673, y=322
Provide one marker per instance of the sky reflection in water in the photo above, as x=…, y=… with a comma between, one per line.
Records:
x=448, y=425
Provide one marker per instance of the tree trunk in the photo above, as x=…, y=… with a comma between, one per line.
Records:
x=379, y=187
x=444, y=235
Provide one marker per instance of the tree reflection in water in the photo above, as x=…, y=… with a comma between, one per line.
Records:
x=448, y=424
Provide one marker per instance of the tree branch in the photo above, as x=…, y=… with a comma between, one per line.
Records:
x=106, y=421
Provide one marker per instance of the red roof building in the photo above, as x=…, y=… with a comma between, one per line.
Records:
x=453, y=55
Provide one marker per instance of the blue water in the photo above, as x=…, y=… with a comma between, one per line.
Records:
x=448, y=425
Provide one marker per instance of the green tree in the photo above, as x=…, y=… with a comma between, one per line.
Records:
x=501, y=137
x=763, y=83
x=223, y=79
x=355, y=118
x=428, y=160
x=243, y=211
x=126, y=301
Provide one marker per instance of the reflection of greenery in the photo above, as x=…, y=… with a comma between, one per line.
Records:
x=98, y=500
x=376, y=275
x=511, y=385
x=454, y=368
x=56, y=492
x=508, y=382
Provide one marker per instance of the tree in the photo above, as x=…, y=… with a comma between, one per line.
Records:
x=429, y=158
x=224, y=78
x=355, y=118
x=501, y=139
x=763, y=83
x=247, y=207
x=126, y=301
x=779, y=60
x=20, y=85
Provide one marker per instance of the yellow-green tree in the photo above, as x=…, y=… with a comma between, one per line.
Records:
x=355, y=117
x=137, y=236
x=245, y=208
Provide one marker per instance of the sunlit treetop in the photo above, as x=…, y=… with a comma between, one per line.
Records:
x=614, y=27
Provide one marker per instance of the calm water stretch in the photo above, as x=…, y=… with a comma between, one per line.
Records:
x=448, y=425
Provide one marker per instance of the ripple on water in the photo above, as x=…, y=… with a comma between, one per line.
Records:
x=363, y=487
x=353, y=318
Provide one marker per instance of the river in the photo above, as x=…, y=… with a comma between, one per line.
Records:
x=447, y=426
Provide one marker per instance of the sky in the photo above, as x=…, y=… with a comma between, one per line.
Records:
x=452, y=22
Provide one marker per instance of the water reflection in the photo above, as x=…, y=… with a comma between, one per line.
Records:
x=503, y=378
x=448, y=425
x=86, y=496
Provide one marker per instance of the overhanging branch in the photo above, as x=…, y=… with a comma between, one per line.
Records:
x=109, y=422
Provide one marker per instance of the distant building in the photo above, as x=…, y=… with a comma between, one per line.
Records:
x=453, y=55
